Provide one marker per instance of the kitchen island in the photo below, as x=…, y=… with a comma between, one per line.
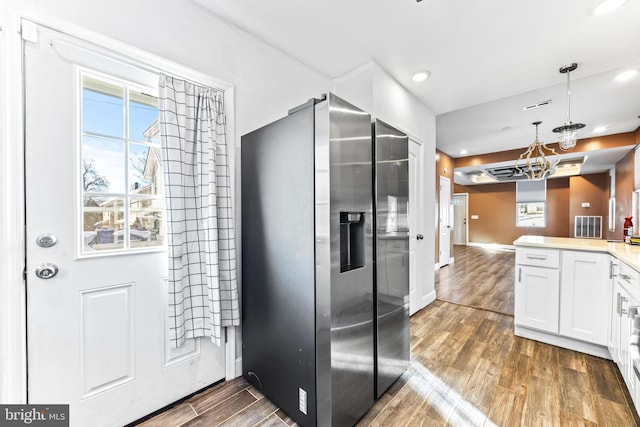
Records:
x=580, y=294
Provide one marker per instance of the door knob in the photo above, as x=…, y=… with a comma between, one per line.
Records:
x=419, y=237
x=46, y=271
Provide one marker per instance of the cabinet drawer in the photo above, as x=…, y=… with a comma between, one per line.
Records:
x=538, y=257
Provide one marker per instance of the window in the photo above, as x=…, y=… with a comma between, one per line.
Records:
x=531, y=203
x=531, y=215
x=120, y=170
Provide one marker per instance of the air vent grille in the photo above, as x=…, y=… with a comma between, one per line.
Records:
x=537, y=105
x=588, y=227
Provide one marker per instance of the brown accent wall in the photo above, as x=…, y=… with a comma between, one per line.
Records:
x=444, y=167
x=592, y=189
x=495, y=205
x=624, y=193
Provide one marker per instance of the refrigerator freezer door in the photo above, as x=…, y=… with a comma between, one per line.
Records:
x=344, y=296
x=392, y=254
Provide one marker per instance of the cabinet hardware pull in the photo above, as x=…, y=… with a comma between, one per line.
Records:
x=538, y=257
x=618, y=304
x=520, y=274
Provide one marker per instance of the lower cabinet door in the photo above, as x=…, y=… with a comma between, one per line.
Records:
x=537, y=295
x=584, y=302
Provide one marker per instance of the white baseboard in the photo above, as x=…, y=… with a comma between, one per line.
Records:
x=493, y=246
x=452, y=260
x=238, y=366
x=428, y=298
x=436, y=266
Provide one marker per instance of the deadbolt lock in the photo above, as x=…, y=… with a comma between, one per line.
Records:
x=46, y=240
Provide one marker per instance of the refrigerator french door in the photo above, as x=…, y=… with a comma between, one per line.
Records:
x=307, y=262
x=391, y=244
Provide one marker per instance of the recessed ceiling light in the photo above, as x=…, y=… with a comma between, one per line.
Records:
x=463, y=152
x=421, y=75
x=599, y=129
x=626, y=75
x=607, y=6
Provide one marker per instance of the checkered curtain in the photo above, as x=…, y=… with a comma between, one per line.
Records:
x=203, y=287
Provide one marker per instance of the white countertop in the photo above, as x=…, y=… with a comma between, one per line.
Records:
x=629, y=254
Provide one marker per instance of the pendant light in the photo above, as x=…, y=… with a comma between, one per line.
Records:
x=568, y=130
x=538, y=163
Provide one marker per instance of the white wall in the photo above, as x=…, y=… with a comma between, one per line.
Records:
x=372, y=89
x=267, y=83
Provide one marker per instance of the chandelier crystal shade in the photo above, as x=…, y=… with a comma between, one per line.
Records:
x=539, y=161
x=568, y=130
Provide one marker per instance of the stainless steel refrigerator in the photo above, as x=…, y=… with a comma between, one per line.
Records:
x=307, y=263
x=309, y=305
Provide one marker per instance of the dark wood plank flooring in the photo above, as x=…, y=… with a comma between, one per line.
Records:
x=479, y=278
x=467, y=369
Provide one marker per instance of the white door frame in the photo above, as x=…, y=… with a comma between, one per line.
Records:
x=466, y=215
x=13, y=333
x=13, y=326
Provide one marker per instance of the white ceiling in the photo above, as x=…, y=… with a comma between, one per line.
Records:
x=487, y=58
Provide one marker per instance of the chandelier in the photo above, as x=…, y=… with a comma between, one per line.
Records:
x=568, y=130
x=536, y=163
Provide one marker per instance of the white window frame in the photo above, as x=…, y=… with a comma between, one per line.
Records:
x=126, y=196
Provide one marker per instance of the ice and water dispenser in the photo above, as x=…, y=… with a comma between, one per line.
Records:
x=351, y=241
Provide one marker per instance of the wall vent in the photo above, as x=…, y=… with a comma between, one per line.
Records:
x=588, y=227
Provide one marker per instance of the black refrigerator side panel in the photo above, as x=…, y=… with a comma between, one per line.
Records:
x=278, y=267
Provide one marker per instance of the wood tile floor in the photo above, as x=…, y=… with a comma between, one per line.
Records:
x=467, y=369
x=480, y=278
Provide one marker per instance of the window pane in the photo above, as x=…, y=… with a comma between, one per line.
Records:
x=102, y=218
x=145, y=171
x=530, y=215
x=143, y=117
x=102, y=165
x=102, y=107
x=146, y=227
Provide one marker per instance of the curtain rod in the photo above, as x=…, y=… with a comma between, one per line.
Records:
x=123, y=52
x=124, y=60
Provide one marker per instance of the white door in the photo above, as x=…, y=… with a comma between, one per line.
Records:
x=97, y=336
x=416, y=221
x=459, y=219
x=445, y=221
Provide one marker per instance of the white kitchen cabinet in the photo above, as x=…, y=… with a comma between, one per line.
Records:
x=584, y=296
x=537, y=290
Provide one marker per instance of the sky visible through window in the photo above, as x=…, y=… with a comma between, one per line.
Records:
x=103, y=116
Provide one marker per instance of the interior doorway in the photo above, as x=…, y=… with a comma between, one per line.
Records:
x=460, y=215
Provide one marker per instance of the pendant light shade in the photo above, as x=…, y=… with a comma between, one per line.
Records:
x=539, y=161
x=568, y=130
